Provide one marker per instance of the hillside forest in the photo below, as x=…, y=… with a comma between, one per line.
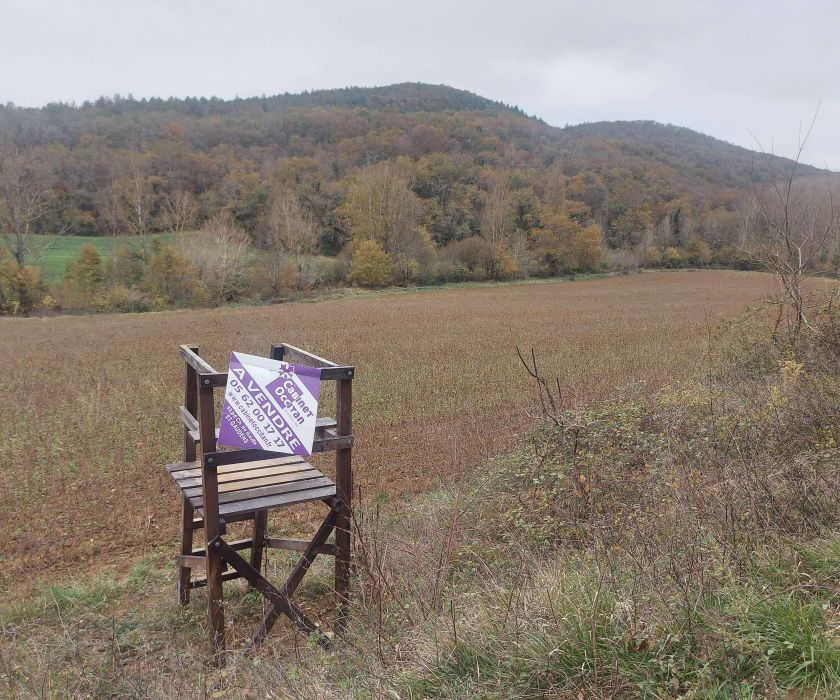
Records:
x=206, y=201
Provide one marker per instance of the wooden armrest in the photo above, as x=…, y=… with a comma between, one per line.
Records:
x=329, y=370
x=197, y=363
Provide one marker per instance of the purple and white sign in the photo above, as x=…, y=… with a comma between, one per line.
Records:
x=270, y=405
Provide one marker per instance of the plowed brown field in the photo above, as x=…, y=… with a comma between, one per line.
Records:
x=89, y=410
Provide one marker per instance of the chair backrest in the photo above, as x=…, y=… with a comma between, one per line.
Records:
x=198, y=414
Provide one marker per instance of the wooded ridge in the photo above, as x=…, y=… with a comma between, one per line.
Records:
x=405, y=183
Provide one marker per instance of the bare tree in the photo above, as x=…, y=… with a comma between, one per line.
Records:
x=137, y=201
x=221, y=253
x=109, y=205
x=179, y=210
x=497, y=217
x=26, y=201
x=788, y=226
x=288, y=226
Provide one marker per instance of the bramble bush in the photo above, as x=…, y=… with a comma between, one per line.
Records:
x=676, y=544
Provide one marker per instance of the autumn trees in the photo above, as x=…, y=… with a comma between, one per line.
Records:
x=381, y=206
x=497, y=220
x=151, y=166
x=285, y=191
x=28, y=198
x=450, y=187
x=383, y=217
x=21, y=288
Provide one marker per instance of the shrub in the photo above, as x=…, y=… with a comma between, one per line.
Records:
x=288, y=277
x=117, y=297
x=460, y=272
x=698, y=252
x=316, y=271
x=583, y=250
x=275, y=275
x=652, y=257
x=370, y=266
x=172, y=279
x=83, y=279
x=548, y=249
x=258, y=282
x=22, y=290
x=730, y=256
x=672, y=257
x=505, y=266
x=624, y=261
x=523, y=257
x=475, y=254
x=335, y=269
x=564, y=245
x=447, y=271
x=126, y=266
x=406, y=270
x=85, y=272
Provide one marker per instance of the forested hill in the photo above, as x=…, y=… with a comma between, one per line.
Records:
x=694, y=154
x=467, y=165
x=403, y=97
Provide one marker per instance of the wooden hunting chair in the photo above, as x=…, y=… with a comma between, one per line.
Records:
x=219, y=487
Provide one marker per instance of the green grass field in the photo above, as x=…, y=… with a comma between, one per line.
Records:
x=57, y=252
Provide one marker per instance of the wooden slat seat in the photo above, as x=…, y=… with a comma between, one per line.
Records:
x=251, y=486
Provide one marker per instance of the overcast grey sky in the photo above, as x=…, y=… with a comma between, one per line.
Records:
x=740, y=70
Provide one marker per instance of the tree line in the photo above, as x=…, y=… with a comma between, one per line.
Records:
x=291, y=193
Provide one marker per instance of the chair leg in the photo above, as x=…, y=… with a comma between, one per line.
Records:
x=342, y=565
x=187, y=512
x=257, y=546
x=215, y=604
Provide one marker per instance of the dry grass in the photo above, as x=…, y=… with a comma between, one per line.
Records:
x=90, y=411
